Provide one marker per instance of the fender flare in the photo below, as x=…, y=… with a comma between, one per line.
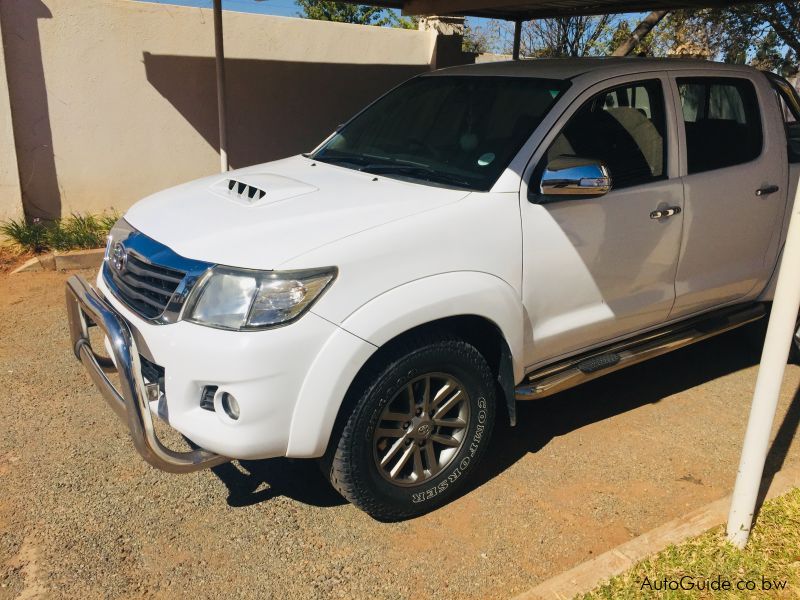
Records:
x=384, y=318
x=440, y=296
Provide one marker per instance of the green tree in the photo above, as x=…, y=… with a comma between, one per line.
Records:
x=341, y=12
x=768, y=34
x=648, y=45
x=763, y=35
x=628, y=45
x=396, y=20
x=706, y=33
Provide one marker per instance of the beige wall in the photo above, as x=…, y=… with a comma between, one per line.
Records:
x=10, y=198
x=115, y=99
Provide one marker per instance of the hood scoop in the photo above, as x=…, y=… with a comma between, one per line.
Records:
x=258, y=189
x=245, y=192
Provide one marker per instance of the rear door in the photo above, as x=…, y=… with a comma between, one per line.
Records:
x=734, y=172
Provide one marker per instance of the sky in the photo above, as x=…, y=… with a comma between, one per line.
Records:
x=282, y=8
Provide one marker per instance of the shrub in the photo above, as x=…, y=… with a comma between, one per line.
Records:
x=76, y=232
x=31, y=237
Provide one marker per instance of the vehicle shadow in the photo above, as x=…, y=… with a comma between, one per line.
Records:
x=251, y=482
x=540, y=421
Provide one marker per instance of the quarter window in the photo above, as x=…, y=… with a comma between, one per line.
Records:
x=722, y=122
x=624, y=127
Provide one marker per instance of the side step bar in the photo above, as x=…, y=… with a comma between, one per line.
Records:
x=580, y=369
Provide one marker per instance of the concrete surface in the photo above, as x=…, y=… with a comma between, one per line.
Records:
x=73, y=260
x=79, y=259
x=32, y=265
x=81, y=515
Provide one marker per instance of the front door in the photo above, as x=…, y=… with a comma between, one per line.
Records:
x=735, y=177
x=598, y=268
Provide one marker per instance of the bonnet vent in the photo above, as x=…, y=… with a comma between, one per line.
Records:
x=245, y=191
x=258, y=189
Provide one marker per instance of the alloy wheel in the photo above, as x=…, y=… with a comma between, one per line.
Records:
x=421, y=429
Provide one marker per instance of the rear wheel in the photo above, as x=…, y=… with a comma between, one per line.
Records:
x=421, y=421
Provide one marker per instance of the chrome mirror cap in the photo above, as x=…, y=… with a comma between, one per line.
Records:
x=573, y=176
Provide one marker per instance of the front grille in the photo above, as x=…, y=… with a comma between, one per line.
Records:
x=145, y=287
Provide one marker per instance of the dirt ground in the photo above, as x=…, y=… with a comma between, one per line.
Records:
x=82, y=516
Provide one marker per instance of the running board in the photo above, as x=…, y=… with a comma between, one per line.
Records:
x=580, y=369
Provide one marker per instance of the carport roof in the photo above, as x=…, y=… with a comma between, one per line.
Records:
x=533, y=9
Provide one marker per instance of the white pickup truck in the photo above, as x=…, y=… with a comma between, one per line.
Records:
x=478, y=236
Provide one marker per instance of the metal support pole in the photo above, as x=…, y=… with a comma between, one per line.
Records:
x=781, y=328
x=517, y=39
x=219, y=49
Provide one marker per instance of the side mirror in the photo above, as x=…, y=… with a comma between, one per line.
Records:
x=573, y=176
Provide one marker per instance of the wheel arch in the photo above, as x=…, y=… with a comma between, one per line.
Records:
x=479, y=308
x=448, y=298
x=477, y=330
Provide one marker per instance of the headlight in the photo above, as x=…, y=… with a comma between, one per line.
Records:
x=241, y=299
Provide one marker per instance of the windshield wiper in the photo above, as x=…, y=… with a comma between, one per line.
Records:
x=353, y=159
x=365, y=160
x=367, y=164
x=418, y=172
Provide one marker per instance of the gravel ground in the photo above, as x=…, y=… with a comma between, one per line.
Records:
x=81, y=516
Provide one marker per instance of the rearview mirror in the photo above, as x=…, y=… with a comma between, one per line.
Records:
x=573, y=176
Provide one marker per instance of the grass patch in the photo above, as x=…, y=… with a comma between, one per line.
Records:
x=768, y=567
x=76, y=232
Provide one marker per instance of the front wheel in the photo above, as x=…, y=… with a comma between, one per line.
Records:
x=421, y=421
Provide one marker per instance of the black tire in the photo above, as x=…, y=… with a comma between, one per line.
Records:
x=353, y=460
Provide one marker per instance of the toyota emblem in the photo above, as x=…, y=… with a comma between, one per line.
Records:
x=119, y=257
x=424, y=429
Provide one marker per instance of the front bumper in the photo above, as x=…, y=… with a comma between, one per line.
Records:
x=85, y=309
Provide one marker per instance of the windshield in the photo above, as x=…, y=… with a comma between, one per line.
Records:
x=456, y=131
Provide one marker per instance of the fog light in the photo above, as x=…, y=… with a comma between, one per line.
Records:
x=230, y=405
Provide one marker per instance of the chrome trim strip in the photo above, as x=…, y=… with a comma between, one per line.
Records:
x=156, y=254
x=568, y=374
x=86, y=308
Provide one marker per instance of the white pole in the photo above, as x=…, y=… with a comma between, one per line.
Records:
x=221, y=108
x=780, y=330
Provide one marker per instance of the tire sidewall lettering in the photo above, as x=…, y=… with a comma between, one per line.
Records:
x=463, y=464
x=364, y=482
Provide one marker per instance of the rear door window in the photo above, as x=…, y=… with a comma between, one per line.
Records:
x=722, y=121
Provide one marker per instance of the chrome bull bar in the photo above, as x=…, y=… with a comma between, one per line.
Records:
x=86, y=308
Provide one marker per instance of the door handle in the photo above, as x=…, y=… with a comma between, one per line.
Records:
x=767, y=190
x=665, y=213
